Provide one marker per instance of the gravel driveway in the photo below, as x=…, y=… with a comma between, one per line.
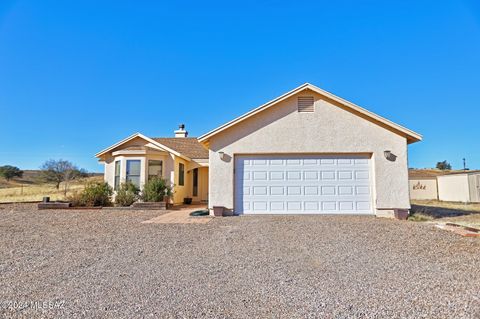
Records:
x=110, y=265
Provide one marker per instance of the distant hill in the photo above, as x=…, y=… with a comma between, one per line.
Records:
x=30, y=177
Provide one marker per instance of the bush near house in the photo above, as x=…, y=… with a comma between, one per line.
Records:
x=127, y=194
x=156, y=190
x=94, y=194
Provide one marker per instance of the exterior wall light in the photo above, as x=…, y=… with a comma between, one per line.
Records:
x=390, y=156
x=222, y=155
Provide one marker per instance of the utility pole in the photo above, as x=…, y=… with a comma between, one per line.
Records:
x=464, y=164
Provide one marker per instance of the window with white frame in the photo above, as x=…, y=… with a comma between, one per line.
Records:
x=155, y=169
x=116, y=183
x=133, y=172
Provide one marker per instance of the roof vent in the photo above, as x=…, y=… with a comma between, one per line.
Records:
x=305, y=104
x=181, y=131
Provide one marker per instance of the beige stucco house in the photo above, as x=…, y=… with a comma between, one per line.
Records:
x=305, y=152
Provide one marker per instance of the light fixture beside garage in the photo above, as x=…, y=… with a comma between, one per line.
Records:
x=222, y=155
x=390, y=156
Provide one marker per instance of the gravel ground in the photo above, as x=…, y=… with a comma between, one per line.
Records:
x=109, y=265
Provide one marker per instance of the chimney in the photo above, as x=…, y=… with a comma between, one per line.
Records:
x=181, y=131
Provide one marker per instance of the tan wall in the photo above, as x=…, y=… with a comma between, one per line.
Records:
x=202, y=184
x=453, y=188
x=423, y=188
x=330, y=129
x=181, y=191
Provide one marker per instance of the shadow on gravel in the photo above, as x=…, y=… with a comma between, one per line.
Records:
x=440, y=212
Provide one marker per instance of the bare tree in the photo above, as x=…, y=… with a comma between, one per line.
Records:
x=58, y=171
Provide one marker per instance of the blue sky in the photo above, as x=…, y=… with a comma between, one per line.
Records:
x=76, y=77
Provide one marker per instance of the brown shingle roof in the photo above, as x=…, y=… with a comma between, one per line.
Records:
x=188, y=146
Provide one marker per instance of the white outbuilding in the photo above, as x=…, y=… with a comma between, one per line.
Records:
x=459, y=187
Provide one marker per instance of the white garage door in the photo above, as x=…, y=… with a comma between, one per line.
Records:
x=304, y=184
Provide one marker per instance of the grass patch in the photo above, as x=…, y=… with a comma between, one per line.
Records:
x=419, y=217
x=20, y=192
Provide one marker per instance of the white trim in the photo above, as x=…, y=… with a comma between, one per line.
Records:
x=414, y=137
x=129, y=152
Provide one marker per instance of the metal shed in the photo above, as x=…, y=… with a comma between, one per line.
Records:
x=460, y=187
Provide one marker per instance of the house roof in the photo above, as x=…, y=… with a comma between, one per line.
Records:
x=188, y=146
x=410, y=135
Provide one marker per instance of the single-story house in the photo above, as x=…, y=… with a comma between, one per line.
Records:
x=305, y=152
x=459, y=187
x=423, y=183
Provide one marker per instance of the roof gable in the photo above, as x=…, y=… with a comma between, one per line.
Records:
x=148, y=139
x=410, y=135
x=185, y=147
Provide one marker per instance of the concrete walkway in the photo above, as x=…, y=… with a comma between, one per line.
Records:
x=180, y=216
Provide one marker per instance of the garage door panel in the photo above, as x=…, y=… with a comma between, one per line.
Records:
x=302, y=184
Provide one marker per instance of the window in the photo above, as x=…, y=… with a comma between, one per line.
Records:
x=116, y=182
x=133, y=172
x=305, y=104
x=155, y=169
x=181, y=174
x=195, y=183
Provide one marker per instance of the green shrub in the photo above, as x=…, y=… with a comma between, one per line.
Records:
x=127, y=194
x=156, y=189
x=97, y=194
x=76, y=199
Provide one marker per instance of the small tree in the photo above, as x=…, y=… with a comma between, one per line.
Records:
x=8, y=172
x=156, y=189
x=444, y=166
x=58, y=171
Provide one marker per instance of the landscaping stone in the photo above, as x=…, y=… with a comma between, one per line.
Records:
x=150, y=205
x=54, y=205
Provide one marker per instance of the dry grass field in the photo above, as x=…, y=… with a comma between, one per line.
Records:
x=30, y=189
x=433, y=210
